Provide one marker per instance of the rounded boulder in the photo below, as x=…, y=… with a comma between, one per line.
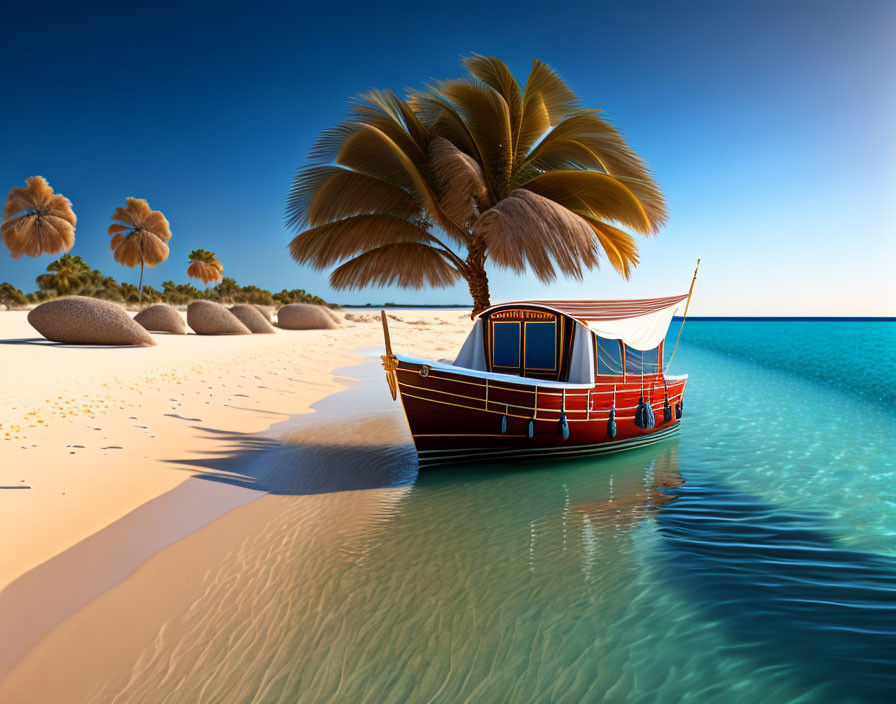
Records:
x=210, y=318
x=87, y=321
x=304, y=316
x=266, y=311
x=252, y=319
x=160, y=317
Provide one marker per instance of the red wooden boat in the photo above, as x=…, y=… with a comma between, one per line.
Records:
x=544, y=379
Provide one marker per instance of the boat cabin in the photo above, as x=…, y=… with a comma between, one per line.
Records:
x=571, y=341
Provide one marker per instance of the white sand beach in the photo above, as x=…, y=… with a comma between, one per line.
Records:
x=94, y=436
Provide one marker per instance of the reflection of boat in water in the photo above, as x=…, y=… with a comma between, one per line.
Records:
x=540, y=379
x=635, y=497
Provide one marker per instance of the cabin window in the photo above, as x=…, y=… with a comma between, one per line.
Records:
x=541, y=346
x=506, y=344
x=638, y=362
x=609, y=356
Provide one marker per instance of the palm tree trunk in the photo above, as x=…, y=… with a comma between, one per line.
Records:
x=477, y=279
x=140, y=285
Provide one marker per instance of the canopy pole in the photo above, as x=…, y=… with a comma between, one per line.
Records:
x=684, y=316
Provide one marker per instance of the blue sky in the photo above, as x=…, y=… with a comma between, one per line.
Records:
x=770, y=126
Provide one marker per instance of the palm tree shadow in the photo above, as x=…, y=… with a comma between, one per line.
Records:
x=779, y=582
x=317, y=459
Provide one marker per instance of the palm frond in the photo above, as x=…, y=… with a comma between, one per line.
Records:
x=584, y=141
x=333, y=242
x=487, y=117
x=205, y=271
x=546, y=101
x=139, y=246
x=371, y=152
x=618, y=245
x=605, y=195
x=376, y=104
x=157, y=224
x=322, y=194
x=444, y=120
x=495, y=74
x=529, y=230
x=459, y=180
x=406, y=264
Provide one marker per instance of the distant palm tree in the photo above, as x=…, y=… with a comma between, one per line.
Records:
x=66, y=274
x=11, y=296
x=139, y=236
x=37, y=221
x=423, y=191
x=205, y=266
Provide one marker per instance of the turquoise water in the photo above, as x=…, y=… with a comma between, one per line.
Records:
x=751, y=559
x=857, y=356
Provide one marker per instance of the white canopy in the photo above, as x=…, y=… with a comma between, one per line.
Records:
x=639, y=323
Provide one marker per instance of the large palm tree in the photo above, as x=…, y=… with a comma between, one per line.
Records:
x=424, y=190
x=139, y=236
x=37, y=221
x=205, y=266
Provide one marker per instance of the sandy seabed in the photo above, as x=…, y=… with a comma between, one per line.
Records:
x=105, y=460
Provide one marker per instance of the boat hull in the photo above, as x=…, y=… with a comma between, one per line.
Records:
x=458, y=418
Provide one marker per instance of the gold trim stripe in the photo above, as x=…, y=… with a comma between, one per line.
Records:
x=578, y=392
x=527, y=408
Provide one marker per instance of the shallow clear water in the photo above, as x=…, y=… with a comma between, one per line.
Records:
x=751, y=559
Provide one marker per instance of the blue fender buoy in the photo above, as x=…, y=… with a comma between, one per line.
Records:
x=531, y=428
x=667, y=409
x=679, y=411
x=611, y=424
x=649, y=415
x=564, y=427
x=503, y=424
x=641, y=413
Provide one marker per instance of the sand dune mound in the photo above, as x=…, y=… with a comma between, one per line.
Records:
x=252, y=318
x=161, y=317
x=304, y=316
x=266, y=311
x=87, y=321
x=210, y=318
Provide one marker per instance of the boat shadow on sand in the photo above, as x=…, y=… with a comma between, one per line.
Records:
x=355, y=454
x=780, y=584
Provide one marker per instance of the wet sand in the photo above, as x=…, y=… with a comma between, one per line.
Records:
x=92, y=520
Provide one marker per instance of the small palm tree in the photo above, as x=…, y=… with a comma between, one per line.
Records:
x=37, y=221
x=205, y=267
x=11, y=296
x=66, y=274
x=139, y=236
x=424, y=190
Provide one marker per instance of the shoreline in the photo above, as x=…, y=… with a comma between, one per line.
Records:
x=327, y=503
x=184, y=436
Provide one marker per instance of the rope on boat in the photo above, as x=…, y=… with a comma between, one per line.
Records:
x=684, y=316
